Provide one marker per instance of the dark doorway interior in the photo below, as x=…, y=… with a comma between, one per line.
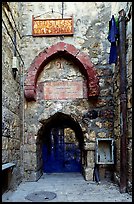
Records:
x=62, y=144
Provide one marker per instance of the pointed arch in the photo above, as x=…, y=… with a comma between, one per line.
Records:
x=63, y=120
x=68, y=51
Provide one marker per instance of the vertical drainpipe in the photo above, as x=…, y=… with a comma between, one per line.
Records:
x=123, y=102
x=62, y=8
x=14, y=43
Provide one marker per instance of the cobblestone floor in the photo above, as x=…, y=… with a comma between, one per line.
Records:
x=69, y=187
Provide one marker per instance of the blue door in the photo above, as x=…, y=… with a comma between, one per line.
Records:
x=60, y=154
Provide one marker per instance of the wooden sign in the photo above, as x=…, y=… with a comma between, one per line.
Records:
x=52, y=27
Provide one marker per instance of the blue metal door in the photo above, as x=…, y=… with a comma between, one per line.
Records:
x=60, y=155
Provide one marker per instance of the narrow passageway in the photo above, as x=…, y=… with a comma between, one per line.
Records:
x=67, y=187
x=67, y=101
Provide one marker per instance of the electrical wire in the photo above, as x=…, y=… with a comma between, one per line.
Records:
x=15, y=24
x=12, y=19
x=13, y=42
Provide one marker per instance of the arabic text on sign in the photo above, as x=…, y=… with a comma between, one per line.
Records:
x=52, y=26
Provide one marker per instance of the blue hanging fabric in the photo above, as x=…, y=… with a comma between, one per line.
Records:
x=112, y=37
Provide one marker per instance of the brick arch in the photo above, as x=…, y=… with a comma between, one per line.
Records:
x=67, y=51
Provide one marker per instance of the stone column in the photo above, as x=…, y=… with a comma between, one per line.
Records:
x=88, y=167
x=32, y=162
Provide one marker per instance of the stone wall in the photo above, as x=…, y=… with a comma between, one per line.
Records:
x=90, y=31
x=43, y=108
x=117, y=128
x=129, y=100
x=90, y=37
x=91, y=24
x=11, y=96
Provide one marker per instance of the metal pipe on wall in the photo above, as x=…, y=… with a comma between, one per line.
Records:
x=123, y=101
x=62, y=8
x=15, y=43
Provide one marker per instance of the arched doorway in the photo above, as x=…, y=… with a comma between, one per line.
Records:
x=62, y=145
x=43, y=102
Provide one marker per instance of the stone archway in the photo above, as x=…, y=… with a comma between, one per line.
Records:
x=62, y=141
x=67, y=51
x=37, y=112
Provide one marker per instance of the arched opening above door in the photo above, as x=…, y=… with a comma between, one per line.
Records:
x=69, y=52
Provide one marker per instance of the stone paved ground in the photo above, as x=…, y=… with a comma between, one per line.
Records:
x=69, y=187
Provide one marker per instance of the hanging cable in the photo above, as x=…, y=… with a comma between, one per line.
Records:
x=8, y=20
x=12, y=19
x=13, y=42
x=53, y=12
x=15, y=24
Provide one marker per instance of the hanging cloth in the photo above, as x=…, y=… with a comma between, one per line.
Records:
x=112, y=37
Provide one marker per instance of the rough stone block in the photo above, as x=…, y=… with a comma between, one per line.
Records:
x=5, y=143
x=5, y=157
x=89, y=146
x=88, y=173
x=30, y=147
x=92, y=136
x=90, y=158
x=32, y=175
x=102, y=134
